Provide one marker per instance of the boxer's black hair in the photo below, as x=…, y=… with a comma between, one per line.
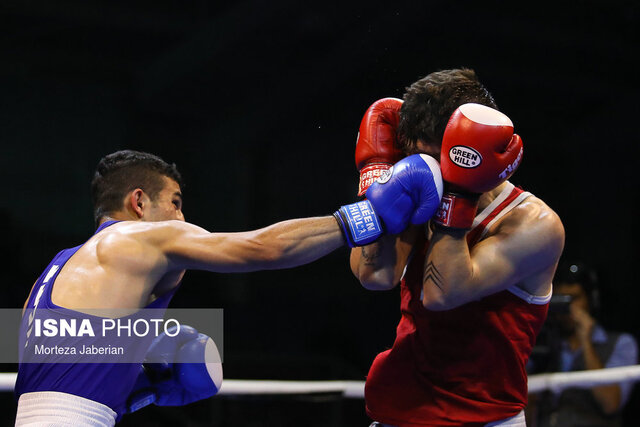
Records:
x=123, y=171
x=429, y=102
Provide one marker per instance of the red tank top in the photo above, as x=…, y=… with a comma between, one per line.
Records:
x=463, y=366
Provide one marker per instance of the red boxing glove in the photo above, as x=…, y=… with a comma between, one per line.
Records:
x=479, y=152
x=376, y=149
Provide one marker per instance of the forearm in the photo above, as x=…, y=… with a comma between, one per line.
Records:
x=448, y=270
x=281, y=245
x=297, y=241
x=374, y=265
x=379, y=266
x=607, y=396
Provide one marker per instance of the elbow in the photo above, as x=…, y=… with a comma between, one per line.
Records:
x=438, y=302
x=435, y=304
x=374, y=280
x=377, y=285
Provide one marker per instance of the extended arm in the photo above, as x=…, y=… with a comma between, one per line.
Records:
x=408, y=195
x=281, y=245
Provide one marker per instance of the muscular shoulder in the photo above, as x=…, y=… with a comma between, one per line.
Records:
x=140, y=244
x=154, y=232
x=532, y=212
x=537, y=226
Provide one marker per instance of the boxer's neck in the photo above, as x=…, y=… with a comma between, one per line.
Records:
x=490, y=196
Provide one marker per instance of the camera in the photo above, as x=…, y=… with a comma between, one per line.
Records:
x=559, y=304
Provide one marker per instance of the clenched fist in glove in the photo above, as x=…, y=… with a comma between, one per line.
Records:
x=376, y=148
x=479, y=152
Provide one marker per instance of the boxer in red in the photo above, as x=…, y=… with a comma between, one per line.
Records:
x=475, y=282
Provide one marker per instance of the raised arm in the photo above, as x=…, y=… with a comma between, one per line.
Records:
x=522, y=251
x=479, y=152
x=379, y=266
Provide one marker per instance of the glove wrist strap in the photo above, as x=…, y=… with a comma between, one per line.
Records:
x=359, y=223
x=456, y=211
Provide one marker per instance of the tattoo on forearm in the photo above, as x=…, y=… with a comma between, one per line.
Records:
x=370, y=255
x=431, y=274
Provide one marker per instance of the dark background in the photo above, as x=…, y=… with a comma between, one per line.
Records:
x=259, y=103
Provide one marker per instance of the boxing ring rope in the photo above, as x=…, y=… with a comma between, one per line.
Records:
x=555, y=382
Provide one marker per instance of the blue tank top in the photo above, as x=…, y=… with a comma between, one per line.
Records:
x=106, y=383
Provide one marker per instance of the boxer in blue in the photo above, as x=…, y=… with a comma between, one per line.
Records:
x=138, y=255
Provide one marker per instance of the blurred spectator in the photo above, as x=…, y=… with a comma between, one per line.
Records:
x=581, y=343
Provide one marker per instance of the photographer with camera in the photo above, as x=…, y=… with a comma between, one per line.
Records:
x=577, y=342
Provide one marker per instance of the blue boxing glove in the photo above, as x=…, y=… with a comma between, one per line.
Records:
x=177, y=370
x=409, y=192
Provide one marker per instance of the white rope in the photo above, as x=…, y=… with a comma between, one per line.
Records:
x=353, y=389
x=556, y=382
x=7, y=381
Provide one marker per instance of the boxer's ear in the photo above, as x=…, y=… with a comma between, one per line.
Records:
x=137, y=202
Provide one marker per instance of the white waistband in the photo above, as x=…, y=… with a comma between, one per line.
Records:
x=531, y=299
x=515, y=421
x=56, y=409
